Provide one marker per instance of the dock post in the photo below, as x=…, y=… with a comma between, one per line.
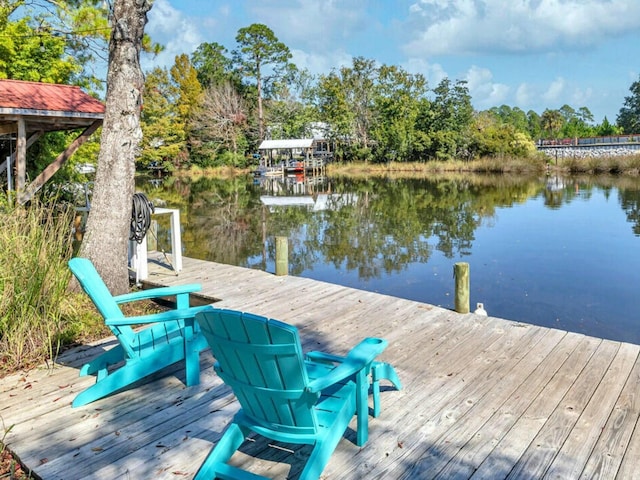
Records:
x=282, y=256
x=461, y=275
x=152, y=240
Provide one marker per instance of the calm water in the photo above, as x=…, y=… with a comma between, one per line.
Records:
x=557, y=252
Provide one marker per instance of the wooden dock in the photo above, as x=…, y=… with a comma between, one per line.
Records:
x=483, y=398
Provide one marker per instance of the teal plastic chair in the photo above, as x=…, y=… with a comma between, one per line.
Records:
x=284, y=395
x=168, y=337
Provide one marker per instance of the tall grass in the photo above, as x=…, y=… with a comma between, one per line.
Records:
x=35, y=245
x=507, y=164
x=629, y=164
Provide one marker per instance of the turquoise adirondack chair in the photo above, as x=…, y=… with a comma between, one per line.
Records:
x=168, y=337
x=284, y=395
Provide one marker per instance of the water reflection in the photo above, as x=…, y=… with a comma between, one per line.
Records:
x=552, y=251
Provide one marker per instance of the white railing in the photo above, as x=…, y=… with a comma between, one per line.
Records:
x=138, y=252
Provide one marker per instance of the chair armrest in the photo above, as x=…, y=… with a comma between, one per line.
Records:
x=158, y=292
x=322, y=357
x=358, y=358
x=170, y=315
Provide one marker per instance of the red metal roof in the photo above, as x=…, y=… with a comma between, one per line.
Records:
x=23, y=95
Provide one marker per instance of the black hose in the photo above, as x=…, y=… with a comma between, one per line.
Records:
x=141, y=212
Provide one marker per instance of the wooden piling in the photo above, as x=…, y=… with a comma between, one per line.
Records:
x=282, y=255
x=461, y=275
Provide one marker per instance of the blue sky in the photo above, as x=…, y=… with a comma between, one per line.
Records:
x=533, y=54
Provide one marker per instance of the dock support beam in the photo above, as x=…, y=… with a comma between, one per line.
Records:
x=282, y=255
x=461, y=275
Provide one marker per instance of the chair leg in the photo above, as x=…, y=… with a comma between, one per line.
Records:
x=129, y=373
x=328, y=441
x=362, y=407
x=233, y=437
x=379, y=371
x=194, y=343
x=102, y=361
x=191, y=362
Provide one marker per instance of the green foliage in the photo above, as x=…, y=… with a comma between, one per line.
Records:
x=448, y=120
x=534, y=124
x=57, y=42
x=371, y=111
x=290, y=112
x=258, y=47
x=233, y=159
x=515, y=117
x=606, y=128
x=576, y=123
x=551, y=122
x=26, y=54
x=164, y=137
x=493, y=137
x=37, y=48
x=189, y=91
x=368, y=111
x=213, y=66
x=629, y=115
x=334, y=106
x=397, y=106
x=262, y=57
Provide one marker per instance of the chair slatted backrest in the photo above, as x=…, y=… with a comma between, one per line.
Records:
x=261, y=360
x=95, y=288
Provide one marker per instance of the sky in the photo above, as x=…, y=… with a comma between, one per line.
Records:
x=531, y=54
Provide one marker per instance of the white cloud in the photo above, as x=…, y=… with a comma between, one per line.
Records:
x=555, y=92
x=321, y=63
x=432, y=72
x=484, y=91
x=490, y=26
x=525, y=96
x=581, y=97
x=172, y=29
x=312, y=24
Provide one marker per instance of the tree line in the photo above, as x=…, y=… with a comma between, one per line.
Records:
x=214, y=107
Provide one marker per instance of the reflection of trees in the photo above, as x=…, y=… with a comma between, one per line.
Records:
x=218, y=216
x=369, y=226
x=563, y=191
x=223, y=224
x=630, y=203
x=391, y=224
x=628, y=188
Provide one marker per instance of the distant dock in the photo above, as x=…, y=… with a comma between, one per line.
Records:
x=483, y=397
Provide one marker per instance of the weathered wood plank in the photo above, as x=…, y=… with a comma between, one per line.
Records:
x=609, y=453
x=482, y=398
x=502, y=356
x=508, y=451
x=544, y=448
x=576, y=450
x=545, y=361
x=450, y=373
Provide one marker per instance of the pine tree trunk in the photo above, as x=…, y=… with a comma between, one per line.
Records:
x=107, y=236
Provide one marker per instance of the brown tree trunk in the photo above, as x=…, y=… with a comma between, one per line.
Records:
x=107, y=236
x=260, y=114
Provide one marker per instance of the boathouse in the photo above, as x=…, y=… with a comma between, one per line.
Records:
x=273, y=152
x=30, y=109
x=293, y=156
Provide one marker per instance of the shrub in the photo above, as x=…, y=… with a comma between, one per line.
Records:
x=35, y=244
